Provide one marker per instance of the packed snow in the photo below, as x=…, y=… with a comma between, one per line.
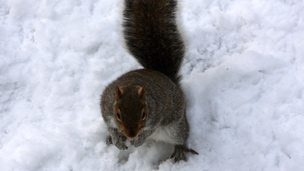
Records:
x=242, y=76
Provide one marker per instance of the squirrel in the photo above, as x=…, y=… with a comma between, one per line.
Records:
x=149, y=103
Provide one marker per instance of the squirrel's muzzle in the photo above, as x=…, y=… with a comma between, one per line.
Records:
x=131, y=133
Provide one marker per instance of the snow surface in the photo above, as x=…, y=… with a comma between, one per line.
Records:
x=243, y=78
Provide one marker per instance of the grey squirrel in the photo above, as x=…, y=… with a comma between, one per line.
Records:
x=149, y=103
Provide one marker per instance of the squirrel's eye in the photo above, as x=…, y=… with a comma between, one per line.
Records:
x=143, y=115
x=118, y=116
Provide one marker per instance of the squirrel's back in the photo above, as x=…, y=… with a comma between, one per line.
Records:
x=152, y=36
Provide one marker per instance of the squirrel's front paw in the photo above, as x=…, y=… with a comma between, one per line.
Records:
x=137, y=142
x=121, y=146
x=109, y=140
x=118, y=142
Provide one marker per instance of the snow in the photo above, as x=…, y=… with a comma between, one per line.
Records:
x=242, y=75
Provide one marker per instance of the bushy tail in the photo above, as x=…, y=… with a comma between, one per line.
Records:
x=152, y=36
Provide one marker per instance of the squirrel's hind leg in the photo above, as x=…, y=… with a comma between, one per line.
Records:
x=180, y=153
x=181, y=148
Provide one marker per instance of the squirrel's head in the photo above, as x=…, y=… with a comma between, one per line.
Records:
x=131, y=111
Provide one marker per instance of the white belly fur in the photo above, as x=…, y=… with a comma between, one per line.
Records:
x=164, y=134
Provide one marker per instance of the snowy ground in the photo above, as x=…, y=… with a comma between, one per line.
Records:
x=243, y=77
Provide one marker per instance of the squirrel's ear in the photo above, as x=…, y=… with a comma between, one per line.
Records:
x=142, y=92
x=118, y=93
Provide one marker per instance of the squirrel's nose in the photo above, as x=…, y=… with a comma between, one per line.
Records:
x=131, y=134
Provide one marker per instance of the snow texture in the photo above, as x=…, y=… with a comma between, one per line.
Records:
x=242, y=76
